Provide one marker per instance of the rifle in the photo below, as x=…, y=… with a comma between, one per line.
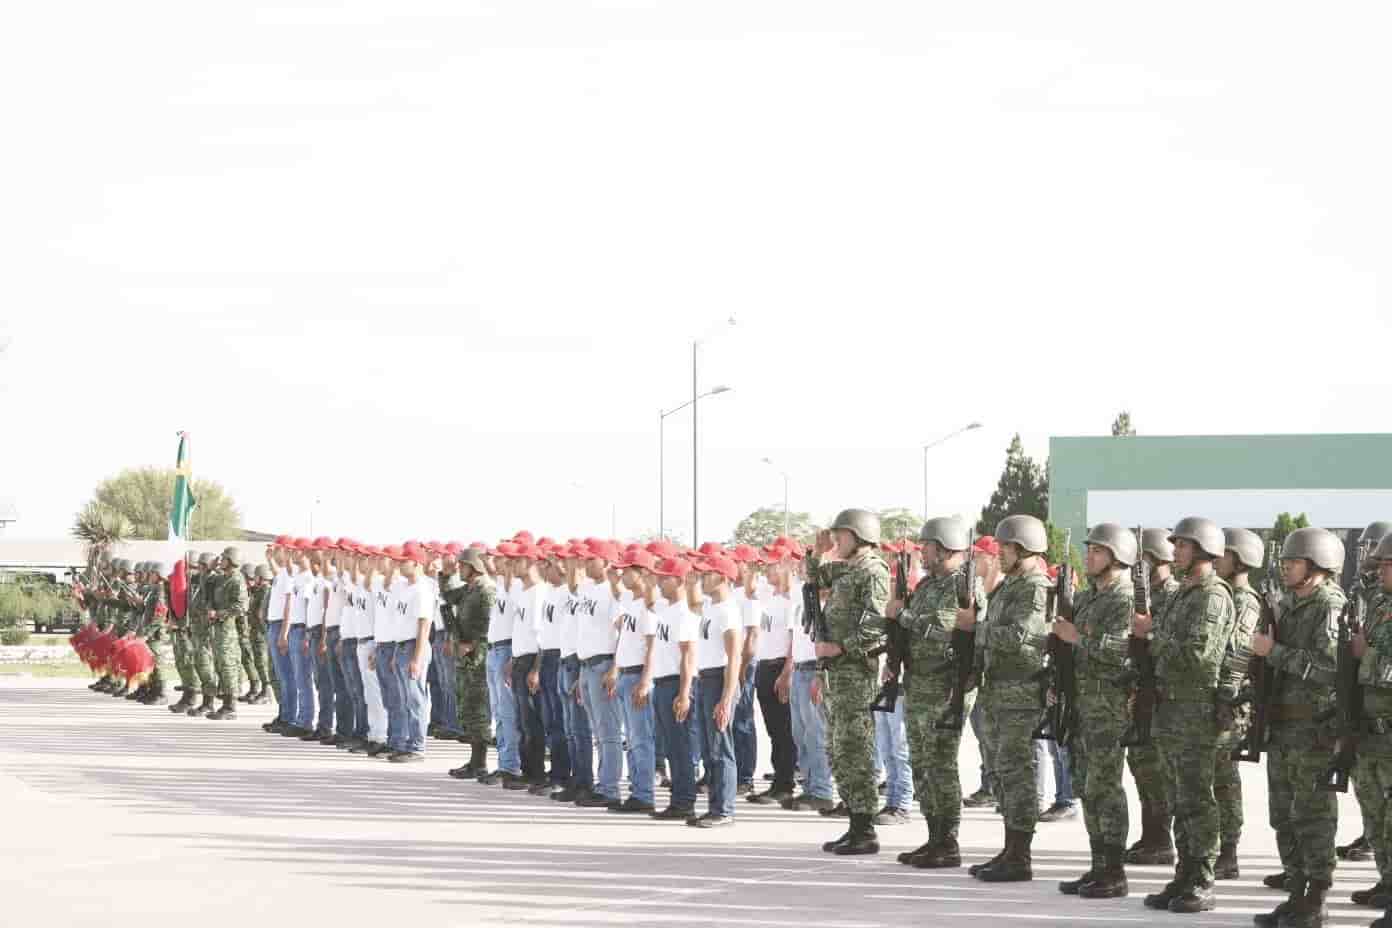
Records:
x=896, y=643
x=1140, y=663
x=961, y=647
x=813, y=620
x=1058, y=676
x=1263, y=677
x=1348, y=694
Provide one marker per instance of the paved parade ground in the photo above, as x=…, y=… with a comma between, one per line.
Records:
x=115, y=814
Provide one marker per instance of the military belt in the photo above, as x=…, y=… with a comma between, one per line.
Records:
x=636, y=668
x=1283, y=712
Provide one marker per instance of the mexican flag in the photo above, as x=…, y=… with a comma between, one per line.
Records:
x=179, y=514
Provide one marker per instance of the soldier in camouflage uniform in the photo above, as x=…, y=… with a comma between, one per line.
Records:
x=258, y=624
x=1155, y=845
x=848, y=564
x=200, y=651
x=1243, y=552
x=1010, y=644
x=181, y=638
x=470, y=592
x=1101, y=626
x=229, y=605
x=1374, y=769
x=250, y=671
x=156, y=628
x=1302, y=656
x=129, y=608
x=1189, y=642
x=929, y=619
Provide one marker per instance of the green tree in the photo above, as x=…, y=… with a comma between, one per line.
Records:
x=1058, y=537
x=899, y=523
x=1121, y=425
x=763, y=525
x=1285, y=524
x=1023, y=489
x=142, y=498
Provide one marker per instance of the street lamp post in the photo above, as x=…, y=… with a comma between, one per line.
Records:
x=966, y=428
x=695, y=447
x=784, y=474
x=662, y=454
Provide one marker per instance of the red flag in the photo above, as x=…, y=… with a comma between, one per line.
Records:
x=178, y=589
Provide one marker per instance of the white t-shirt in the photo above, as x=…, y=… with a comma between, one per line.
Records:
x=751, y=611
x=282, y=585
x=773, y=629
x=672, y=624
x=526, y=608
x=338, y=595
x=804, y=648
x=716, y=620
x=412, y=601
x=298, y=600
x=552, y=618
x=314, y=600
x=568, y=606
x=636, y=623
x=348, y=617
x=380, y=605
x=500, y=622
x=437, y=621
x=595, y=616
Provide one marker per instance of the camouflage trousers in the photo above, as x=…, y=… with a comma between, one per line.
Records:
x=1096, y=758
x=1186, y=736
x=201, y=652
x=250, y=672
x=851, y=686
x=183, y=660
x=227, y=658
x=1227, y=783
x=986, y=743
x=255, y=644
x=1149, y=776
x=471, y=686
x=1371, y=780
x=1302, y=816
x=1014, y=712
x=933, y=752
x=153, y=640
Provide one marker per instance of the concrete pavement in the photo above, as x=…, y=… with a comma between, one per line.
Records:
x=111, y=812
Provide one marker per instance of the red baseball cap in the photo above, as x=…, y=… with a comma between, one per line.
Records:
x=672, y=567
x=719, y=564
x=506, y=549
x=282, y=541
x=394, y=552
x=602, y=550
x=639, y=558
x=523, y=537
x=745, y=554
x=710, y=548
x=987, y=544
x=529, y=551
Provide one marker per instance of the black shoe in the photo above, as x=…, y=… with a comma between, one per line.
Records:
x=711, y=820
x=831, y=846
x=1274, y=918
x=888, y=816
x=1197, y=897
x=744, y=789
x=907, y=858
x=155, y=699
x=273, y=727
x=1365, y=896
x=377, y=750
x=1225, y=867
x=293, y=731
x=183, y=704
x=1276, y=880
x=202, y=708
x=1058, y=812
x=407, y=757
x=837, y=811
x=1015, y=863
x=675, y=814
x=860, y=840
x=1356, y=850
x=772, y=796
x=806, y=803
x=228, y=712
x=632, y=806
x=539, y=789
x=329, y=741
x=569, y=794
x=594, y=801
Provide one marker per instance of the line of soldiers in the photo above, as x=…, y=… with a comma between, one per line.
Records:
x=620, y=612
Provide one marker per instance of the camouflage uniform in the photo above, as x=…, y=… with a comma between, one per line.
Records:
x=1103, y=615
x=929, y=618
x=1144, y=760
x=1014, y=635
x=250, y=672
x=1189, y=645
x=254, y=645
x=1299, y=750
x=200, y=654
x=229, y=600
x=1234, y=722
x=857, y=585
x=1374, y=770
x=153, y=631
x=473, y=604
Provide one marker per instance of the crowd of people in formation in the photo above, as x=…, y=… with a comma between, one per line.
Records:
x=581, y=657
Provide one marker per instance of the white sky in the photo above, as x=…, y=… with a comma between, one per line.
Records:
x=433, y=263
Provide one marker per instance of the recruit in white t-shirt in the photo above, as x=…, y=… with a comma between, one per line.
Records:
x=595, y=616
x=636, y=623
x=716, y=620
x=673, y=624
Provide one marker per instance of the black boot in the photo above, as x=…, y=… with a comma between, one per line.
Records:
x=1310, y=911
x=1196, y=896
x=251, y=694
x=1277, y=880
x=1273, y=918
x=863, y=839
x=1172, y=889
x=202, y=708
x=1071, y=887
x=121, y=691
x=1111, y=879
x=831, y=846
x=1365, y=896
x=138, y=692
x=1357, y=850
x=977, y=869
x=947, y=853
x=908, y=857
x=227, y=712
x=155, y=697
x=1225, y=868
x=185, y=700
x=1156, y=847
x=1016, y=865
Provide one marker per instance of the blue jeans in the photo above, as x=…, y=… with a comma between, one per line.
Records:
x=302, y=669
x=323, y=681
x=720, y=748
x=1044, y=753
x=607, y=719
x=892, y=743
x=533, y=750
x=393, y=699
x=432, y=678
x=579, y=738
x=745, y=735
x=504, y=709
x=447, y=703
x=416, y=693
x=678, y=737
x=639, y=724
x=353, y=683
x=280, y=664
x=809, y=733
x=343, y=699
x=553, y=717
